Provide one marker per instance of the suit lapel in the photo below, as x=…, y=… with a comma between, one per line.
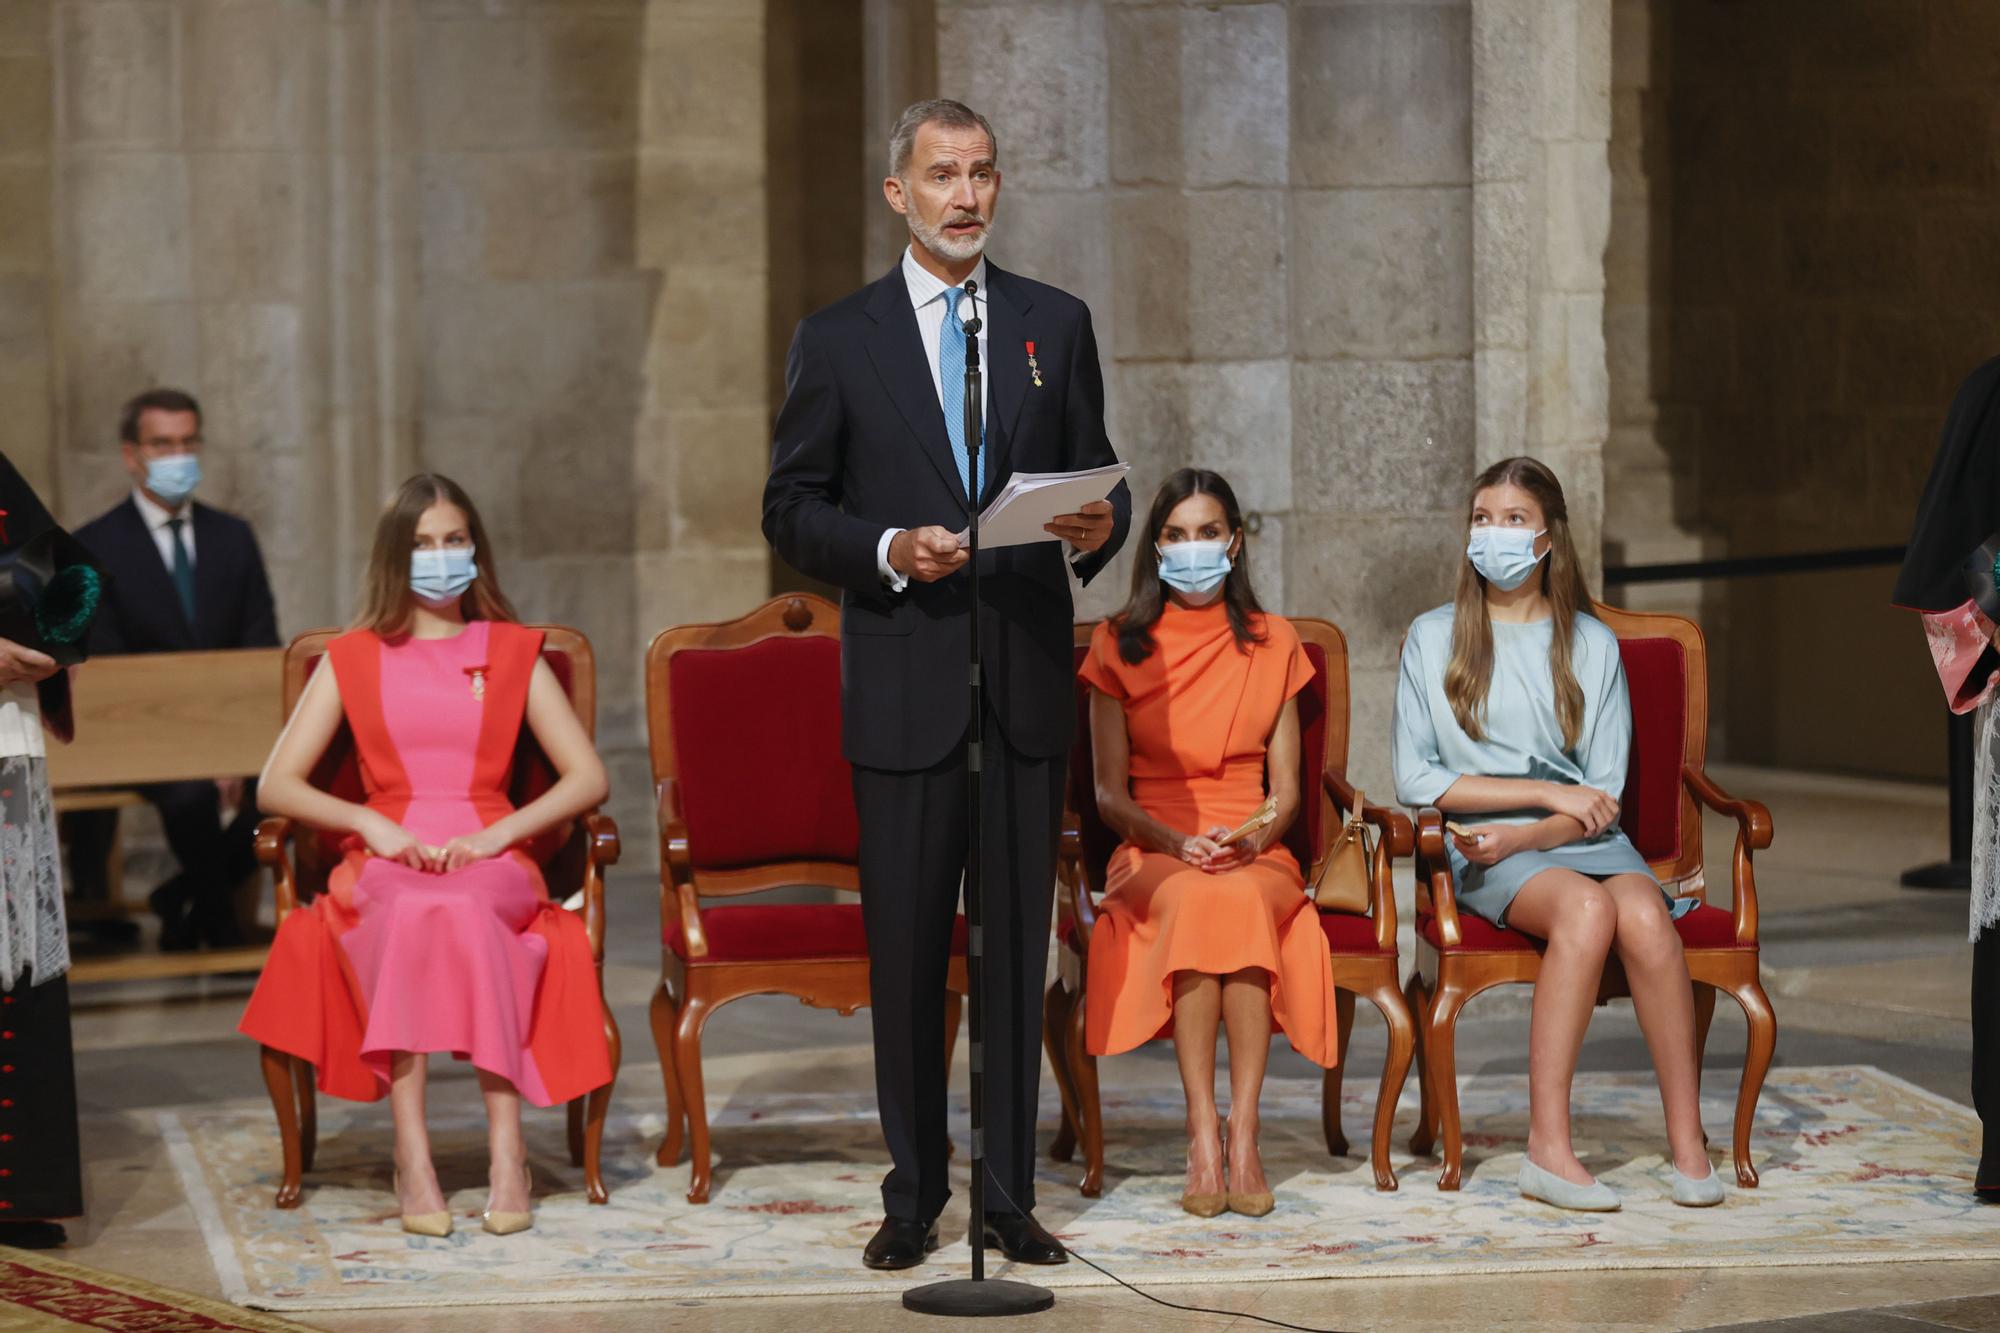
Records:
x=1006, y=366
x=897, y=350
x=209, y=571
x=155, y=579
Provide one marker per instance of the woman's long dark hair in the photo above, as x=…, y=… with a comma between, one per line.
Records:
x=387, y=601
x=1149, y=595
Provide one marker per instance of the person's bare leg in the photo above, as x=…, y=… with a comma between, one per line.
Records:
x=507, y=1152
x=1579, y=920
x=1246, y=1013
x=1650, y=948
x=417, y=1190
x=1197, y=1017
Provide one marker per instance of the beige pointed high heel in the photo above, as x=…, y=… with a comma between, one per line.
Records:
x=436, y=1224
x=506, y=1224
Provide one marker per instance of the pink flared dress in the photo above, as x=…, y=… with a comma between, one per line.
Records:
x=475, y=962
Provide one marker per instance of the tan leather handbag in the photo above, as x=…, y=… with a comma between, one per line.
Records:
x=1344, y=883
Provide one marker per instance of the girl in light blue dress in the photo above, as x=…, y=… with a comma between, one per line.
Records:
x=1512, y=718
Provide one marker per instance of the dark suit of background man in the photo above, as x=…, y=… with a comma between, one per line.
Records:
x=869, y=482
x=184, y=577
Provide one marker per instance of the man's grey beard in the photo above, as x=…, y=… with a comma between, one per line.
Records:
x=951, y=247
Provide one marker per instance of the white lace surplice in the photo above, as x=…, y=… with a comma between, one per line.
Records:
x=34, y=942
x=1986, y=818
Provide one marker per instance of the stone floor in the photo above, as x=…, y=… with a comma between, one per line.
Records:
x=1859, y=970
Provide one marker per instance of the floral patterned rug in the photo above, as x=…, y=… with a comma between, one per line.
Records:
x=1858, y=1167
x=38, y=1290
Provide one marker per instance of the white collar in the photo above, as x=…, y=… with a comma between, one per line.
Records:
x=154, y=516
x=925, y=286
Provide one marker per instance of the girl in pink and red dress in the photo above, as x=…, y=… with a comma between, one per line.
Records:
x=437, y=933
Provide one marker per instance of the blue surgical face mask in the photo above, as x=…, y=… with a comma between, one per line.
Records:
x=442, y=574
x=173, y=477
x=1504, y=557
x=1195, y=570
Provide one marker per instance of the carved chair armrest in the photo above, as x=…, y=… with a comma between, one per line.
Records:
x=1075, y=884
x=273, y=833
x=1753, y=833
x=600, y=849
x=1394, y=824
x=677, y=895
x=1434, y=875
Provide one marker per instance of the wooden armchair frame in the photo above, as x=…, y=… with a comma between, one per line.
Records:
x=691, y=990
x=1373, y=975
x=1446, y=978
x=295, y=863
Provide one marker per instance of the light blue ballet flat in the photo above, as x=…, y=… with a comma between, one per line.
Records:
x=1692, y=1193
x=1552, y=1189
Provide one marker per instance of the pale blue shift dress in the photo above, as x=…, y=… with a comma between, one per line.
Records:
x=1522, y=740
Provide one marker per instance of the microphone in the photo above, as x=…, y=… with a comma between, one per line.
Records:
x=972, y=326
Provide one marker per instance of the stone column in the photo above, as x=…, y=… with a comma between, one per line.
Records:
x=1541, y=80
x=28, y=346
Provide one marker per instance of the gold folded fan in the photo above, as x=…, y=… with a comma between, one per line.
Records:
x=1266, y=813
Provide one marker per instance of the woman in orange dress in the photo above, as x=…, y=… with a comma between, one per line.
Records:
x=436, y=933
x=1192, y=722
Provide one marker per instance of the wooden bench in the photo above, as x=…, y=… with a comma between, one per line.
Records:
x=166, y=717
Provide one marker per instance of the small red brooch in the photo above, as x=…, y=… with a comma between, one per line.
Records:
x=1034, y=370
x=478, y=674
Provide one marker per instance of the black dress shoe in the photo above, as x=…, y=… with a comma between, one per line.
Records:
x=33, y=1235
x=1022, y=1239
x=1987, y=1183
x=900, y=1244
x=177, y=933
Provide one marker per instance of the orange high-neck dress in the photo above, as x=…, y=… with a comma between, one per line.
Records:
x=1199, y=713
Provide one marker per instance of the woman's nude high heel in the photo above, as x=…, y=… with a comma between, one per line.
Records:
x=1207, y=1205
x=423, y=1224
x=506, y=1224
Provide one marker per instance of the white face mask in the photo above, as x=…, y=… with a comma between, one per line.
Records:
x=1504, y=557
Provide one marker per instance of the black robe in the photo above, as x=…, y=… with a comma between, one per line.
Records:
x=41, y=1161
x=1959, y=511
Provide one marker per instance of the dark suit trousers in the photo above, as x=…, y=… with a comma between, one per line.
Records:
x=913, y=828
x=1986, y=1048
x=213, y=859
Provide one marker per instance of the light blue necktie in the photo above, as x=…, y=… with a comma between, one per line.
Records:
x=951, y=388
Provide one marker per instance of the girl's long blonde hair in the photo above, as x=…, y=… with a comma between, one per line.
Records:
x=387, y=601
x=1470, y=672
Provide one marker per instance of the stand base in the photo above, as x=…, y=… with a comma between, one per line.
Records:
x=962, y=1298
x=1940, y=875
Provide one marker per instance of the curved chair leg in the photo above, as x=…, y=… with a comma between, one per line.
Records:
x=1704, y=1015
x=1090, y=1111
x=1395, y=1069
x=665, y=1015
x=1763, y=1038
x=278, y=1082
x=302, y=1081
x=599, y=1107
x=1055, y=1022
x=1330, y=1083
x=1440, y=1039
x=687, y=1064
x=1424, y=1137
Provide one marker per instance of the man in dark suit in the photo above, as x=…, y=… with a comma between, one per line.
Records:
x=869, y=484
x=184, y=577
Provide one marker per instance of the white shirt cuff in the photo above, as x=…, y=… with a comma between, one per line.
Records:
x=896, y=582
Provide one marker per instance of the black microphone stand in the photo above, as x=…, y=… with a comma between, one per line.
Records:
x=976, y=1295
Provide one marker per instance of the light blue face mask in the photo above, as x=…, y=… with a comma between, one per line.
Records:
x=1195, y=570
x=173, y=477
x=1504, y=557
x=442, y=574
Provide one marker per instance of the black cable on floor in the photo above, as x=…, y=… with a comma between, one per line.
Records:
x=1157, y=1300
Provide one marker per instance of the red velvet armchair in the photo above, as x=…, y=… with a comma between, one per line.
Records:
x=1362, y=948
x=1666, y=786
x=573, y=862
x=743, y=720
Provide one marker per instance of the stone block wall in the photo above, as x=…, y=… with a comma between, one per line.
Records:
x=1341, y=252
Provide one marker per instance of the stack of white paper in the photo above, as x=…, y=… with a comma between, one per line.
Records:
x=1030, y=501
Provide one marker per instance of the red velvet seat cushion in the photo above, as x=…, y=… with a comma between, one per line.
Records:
x=789, y=932
x=1348, y=933
x=1706, y=927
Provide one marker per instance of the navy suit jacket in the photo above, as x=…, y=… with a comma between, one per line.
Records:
x=232, y=596
x=860, y=446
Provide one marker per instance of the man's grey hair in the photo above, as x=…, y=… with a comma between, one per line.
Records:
x=937, y=111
